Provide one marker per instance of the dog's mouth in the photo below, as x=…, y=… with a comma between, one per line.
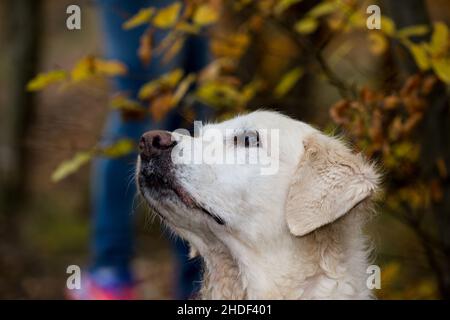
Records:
x=163, y=187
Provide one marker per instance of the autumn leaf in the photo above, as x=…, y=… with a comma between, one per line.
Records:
x=161, y=105
x=68, y=167
x=439, y=39
x=231, y=45
x=174, y=49
x=391, y=102
x=322, y=9
x=143, y=16
x=120, y=148
x=387, y=26
x=250, y=90
x=218, y=94
x=168, y=16
x=183, y=88
x=288, y=81
x=338, y=110
x=442, y=68
x=145, y=47
x=283, y=5
x=91, y=66
x=378, y=43
x=306, y=25
x=183, y=26
x=205, y=15
x=43, y=80
x=168, y=80
x=413, y=31
x=420, y=55
x=172, y=78
x=120, y=102
x=110, y=67
x=83, y=69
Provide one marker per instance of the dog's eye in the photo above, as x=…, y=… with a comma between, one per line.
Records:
x=248, y=139
x=251, y=139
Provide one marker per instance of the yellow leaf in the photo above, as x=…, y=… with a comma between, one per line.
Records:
x=205, y=15
x=168, y=16
x=322, y=9
x=231, y=45
x=174, y=49
x=70, y=166
x=378, y=43
x=120, y=148
x=413, y=31
x=387, y=26
x=288, y=81
x=172, y=78
x=123, y=103
x=83, y=69
x=90, y=66
x=250, y=90
x=283, y=5
x=439, y=39
x=110, y=67
x=441, y=67
x=218, y=94
x=42, y=80
x=161, y=105
x=169, y=80
x=306, y=25
x=148, y=89
x=182, y=88
x=187, y=27
x=420, y=55
x=143, y=16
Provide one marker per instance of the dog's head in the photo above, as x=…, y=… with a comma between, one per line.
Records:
x=316, y=180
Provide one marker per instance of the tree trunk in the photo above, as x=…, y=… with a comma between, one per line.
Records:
x=435, y=135
x=22, y=26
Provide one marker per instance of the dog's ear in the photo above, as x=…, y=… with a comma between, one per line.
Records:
x=329, y=182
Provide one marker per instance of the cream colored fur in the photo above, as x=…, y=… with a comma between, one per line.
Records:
x=294, y=235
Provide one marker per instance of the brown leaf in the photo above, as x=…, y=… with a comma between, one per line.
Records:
x=411, y=84
x=412, y=122
x=391, y=102
x=367, y=95
x=161, y=105
x=413, y=103
x=337, y=112
x=376, y=128
x=428, y=84
x=145, y=47
x=436, y=191
x=442, y=168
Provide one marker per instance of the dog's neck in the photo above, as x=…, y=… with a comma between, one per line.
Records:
x=316, y=266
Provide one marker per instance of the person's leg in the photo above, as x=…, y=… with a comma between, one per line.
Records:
x=112, y=190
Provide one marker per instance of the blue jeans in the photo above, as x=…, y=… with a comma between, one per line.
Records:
x=112, y=191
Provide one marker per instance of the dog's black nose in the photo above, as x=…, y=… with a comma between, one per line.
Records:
x=154, y=142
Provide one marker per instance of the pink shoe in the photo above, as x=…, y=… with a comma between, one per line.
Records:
x=103, y=285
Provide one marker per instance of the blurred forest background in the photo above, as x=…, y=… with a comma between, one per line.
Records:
x=386, y=90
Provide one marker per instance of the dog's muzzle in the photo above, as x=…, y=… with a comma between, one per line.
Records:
x=156, y=172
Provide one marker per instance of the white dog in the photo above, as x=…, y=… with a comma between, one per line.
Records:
x=294, y=234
